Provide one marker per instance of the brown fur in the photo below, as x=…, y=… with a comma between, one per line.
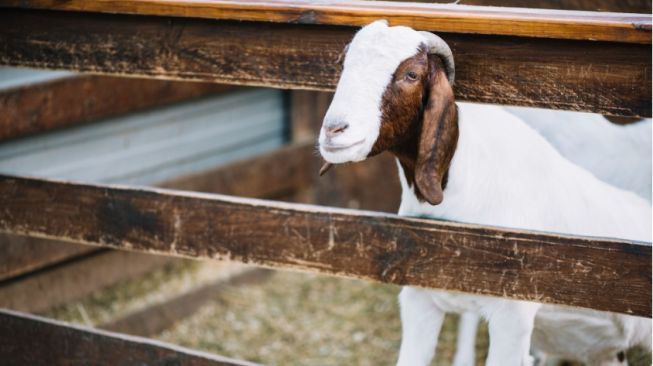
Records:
x=419, y=124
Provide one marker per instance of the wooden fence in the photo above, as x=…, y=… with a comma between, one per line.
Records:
x=571, y=60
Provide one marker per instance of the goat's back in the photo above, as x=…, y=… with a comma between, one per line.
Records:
x=504, y=173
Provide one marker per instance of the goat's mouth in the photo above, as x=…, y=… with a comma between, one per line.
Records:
x=334, y=148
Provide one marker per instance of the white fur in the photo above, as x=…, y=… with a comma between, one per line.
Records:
x=620, y=156
x=503, y=173
x=374, y=54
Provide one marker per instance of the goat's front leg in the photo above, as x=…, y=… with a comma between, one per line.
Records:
x=466, y=341
x=511, y=327
x=421, y=321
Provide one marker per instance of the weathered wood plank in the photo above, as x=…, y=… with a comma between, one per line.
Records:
x=159, y=317
x=64, y=283
x=621, y=6
x=483, y=260
x=634, y=28
x=67, y=101
x=39, y=341
x=274, y=175
x=605, y=77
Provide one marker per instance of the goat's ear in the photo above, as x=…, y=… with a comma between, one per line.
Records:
x=439, y=134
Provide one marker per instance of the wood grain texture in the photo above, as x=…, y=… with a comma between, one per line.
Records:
x=621, y=6
x=604, y=77
x=68, y=101
x=39, y=341
x=275, y=175
x=380, y=247
x=635, y=28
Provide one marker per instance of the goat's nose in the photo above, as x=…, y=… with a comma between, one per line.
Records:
x=332, y=130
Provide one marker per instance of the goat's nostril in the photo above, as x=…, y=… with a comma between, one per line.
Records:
x=335, y=129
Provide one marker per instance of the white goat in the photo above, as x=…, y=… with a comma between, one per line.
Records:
x=620, y=156
x=395, y=94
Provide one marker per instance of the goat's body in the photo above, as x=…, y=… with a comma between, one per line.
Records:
x=588, y=336
x=504, y=173
x=617, y=155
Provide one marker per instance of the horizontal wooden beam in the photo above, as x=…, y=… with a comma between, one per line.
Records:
x=37, y=341
x=632, y=28
x=66, y=101
x=623, y=6
x=274, y=175
x=522, y=265
x=605, y=77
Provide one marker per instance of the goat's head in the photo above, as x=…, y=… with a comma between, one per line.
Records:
x=395, y=94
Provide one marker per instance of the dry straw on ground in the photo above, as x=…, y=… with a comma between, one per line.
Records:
x=290, y=319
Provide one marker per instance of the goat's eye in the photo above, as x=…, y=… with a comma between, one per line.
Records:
x=411, y=75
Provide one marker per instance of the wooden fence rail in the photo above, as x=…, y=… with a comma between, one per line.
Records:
x=571, y=60
x=39, y=341
x=380, y=247
x=631, y=28
x=72, y=100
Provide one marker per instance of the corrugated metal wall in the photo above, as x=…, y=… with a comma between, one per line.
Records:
x=152, y=146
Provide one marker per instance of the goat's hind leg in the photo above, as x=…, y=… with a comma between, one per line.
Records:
x=421, y=321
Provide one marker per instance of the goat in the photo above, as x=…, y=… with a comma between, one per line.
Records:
x=620, y=156
x=617, y=155
x=395, y=94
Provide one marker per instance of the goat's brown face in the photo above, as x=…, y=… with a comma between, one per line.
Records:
x=394, y=94
x=402, y=103
x=419, y=124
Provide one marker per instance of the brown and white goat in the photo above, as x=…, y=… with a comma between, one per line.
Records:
x=471, y=163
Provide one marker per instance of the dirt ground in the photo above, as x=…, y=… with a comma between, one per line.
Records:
x=289, y=319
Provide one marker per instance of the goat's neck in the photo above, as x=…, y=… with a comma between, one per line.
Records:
x=406, y=154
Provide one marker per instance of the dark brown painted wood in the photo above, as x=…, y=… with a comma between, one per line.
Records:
x=605, y=77
x=68, y=101
x=156, y=318
x=380, y=247
x=435, y=17
x=621, y=6
x=37, y=341
x=274, y=175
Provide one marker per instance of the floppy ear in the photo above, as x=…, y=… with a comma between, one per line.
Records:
x=439, y=134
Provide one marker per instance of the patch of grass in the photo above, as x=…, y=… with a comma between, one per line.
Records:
x=303, y=319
